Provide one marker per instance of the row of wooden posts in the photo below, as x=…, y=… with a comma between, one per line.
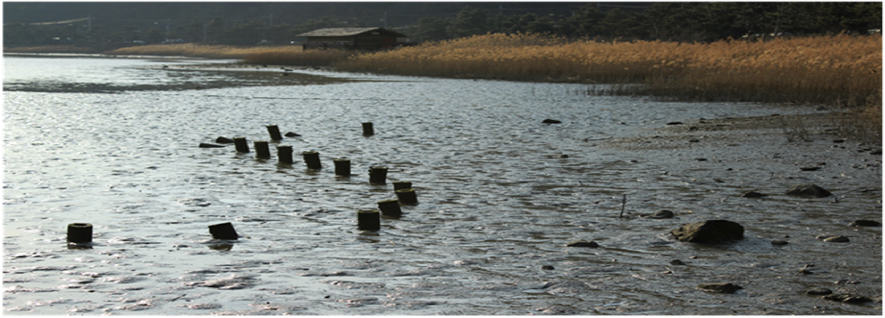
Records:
x=80, y=234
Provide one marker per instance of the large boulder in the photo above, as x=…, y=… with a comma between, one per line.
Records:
x=709, y=232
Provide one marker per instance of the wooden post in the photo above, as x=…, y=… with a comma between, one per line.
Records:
x=223, y=231
x=407, y=196
x=390, y=208
x=377, y=175
x=262, y=151
x=401, y=185
x=368, y=220
x=240, y=143
x=274, y=132
x=342, y=167
x=312, y=159
x=284, y=153
x=368, y=130
x=80, y=233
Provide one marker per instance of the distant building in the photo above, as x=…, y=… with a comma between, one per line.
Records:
x=370, y=38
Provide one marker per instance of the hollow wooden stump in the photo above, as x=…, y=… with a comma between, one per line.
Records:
x=368, y=130
x=368, y=220
x=274, y=132
x=312, y=159
x=402, y=185
x=342, y=166
x=223, y=231
x=240, y=143
x=79, y=233
x=262, y=151
x=284, y=153
x=390, y=208
x=407, y=196
x=377, y=175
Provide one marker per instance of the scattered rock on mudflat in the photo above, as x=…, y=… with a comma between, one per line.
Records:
x=709, y=232
x=721, y=288
x=848, y=298
x=224, y=140
x=662, y=214
x=551, y=121
x=207, y=145
x=808, y=191
x=292, y=134
x=833, y=238
x=590, y=244
x=865, y=223
x=818, y=291
x=752, y=194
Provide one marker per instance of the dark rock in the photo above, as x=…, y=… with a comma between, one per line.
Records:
x=833, y=238
x=848, y=298
x=809, y=191
x=547, y=267
x=224, y=140
x=865, y=223
x=563, y=156
x=205, y=145
x=709, y=232
x=721, y=288
x=753, y=194
x=590, y=244
x=551, y=121
x=779, y=242
x=700, y=159
x=876, y=152
x=818, y=291
x=694, y=140
x=677, y=262
x=663, y=214
x=291, y=134
x=809, y=168
x=838, y=141
x=673, y=123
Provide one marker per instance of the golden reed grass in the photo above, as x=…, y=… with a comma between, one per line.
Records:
x=841, y=70
x=199, y=50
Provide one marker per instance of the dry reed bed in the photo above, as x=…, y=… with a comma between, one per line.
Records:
x=839, y=70
x=200, y=50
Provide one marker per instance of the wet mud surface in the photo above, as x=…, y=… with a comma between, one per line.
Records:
x=503, y=198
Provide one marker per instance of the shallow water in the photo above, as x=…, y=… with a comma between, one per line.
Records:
x=500, y=197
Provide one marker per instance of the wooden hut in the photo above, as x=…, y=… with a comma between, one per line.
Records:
x=369, y=38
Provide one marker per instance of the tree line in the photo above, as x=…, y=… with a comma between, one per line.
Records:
x=126, y=24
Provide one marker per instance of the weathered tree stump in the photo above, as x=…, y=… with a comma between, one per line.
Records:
x=274, y=132
x=368, y=220
x=223, y=231
x=79, y=233
x=378, y=175
x=390, y=208
x=312, y=159
x=342, y=167
x=368, y=130
x=262, y=151
x=402, y=185
x=241, y=145
x=284, y=154
x=407, y=196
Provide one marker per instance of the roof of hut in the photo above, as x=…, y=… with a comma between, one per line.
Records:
x=347, y=31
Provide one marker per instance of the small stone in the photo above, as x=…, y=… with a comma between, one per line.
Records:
x=700, y=159
x=207, y=145
x=292, y=134
x=809, y=168
x=721, y=288
x=677, y=262
x=563, y=156
x=224, y=140
x=663, y=214
x=848, y=298
x=694, y=140
x=818, y=292
x=547, y=268
x=833, y=238
x=752, y=194
x=710, y=232
x=808, y=191
x=865, y=223
x=551, y=121
x=838, y=141
x=673, y=123
x=779, y=242
x=590, y=244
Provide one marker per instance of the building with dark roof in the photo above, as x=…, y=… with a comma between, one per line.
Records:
x=367, y=38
